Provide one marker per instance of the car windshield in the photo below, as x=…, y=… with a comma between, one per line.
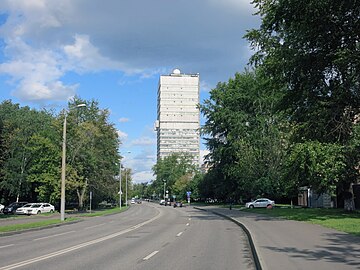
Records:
x=36, y=206
x=27, y=205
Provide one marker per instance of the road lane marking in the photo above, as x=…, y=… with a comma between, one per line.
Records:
x=150, y=255
x=180, y=233
x=76, y=247
x=187, y=224
x=7, y=246
x=86, y=228
x=51, y=236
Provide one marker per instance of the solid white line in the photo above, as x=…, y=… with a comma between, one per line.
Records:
x=180, y=233
x=50, y=236
x=7, y=246
x=73, y=248
x=150, y=255
x=86, y=228
x=187, y=224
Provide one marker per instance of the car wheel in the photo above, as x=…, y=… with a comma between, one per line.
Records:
x=38, y=212
x=251, y=206
x=51, y=211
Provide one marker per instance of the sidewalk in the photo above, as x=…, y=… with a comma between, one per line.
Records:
x=286, y=244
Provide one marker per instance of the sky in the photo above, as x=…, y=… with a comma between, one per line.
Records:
x=114, y=52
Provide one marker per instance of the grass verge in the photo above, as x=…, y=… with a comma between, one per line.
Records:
x=337, y=219
x=24, y=226
x=44, y=223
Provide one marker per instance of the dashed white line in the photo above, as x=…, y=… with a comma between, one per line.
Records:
x=180, y=233
x=187, y=224
x=6, y=246
x=150, y=255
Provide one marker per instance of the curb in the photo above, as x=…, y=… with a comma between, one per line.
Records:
x=247, y=232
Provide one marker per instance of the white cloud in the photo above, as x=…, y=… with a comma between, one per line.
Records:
x=44, y=40
x=124, y=120
x=141, y=177
x=143, y=141
x=203, y=153
x=122, y=135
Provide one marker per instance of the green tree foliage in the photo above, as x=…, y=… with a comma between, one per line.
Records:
x=245, y=137
x=311, y=49
x=19, y=125
x=92, y=151
x=30, y=154
x=315, y=164
x=177, y=171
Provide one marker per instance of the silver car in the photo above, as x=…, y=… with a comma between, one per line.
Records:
x=262, y=202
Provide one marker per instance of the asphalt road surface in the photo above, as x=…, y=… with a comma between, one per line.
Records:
x=147, y=236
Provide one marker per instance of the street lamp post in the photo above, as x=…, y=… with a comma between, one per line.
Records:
x=126, y=184
x=126, y=187
x=164, y=190
x=120, y=183
x=63, y=166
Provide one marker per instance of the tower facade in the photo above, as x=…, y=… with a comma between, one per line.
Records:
x=178, y=117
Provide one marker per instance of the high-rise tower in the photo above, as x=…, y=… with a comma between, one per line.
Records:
x=178, y=117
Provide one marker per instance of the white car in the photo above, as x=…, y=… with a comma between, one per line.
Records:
x=1, y=207
x=39, y=208
x=23, y=210
x=262, y=202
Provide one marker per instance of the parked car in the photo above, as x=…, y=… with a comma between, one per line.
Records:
x=262, y=202
x=162, y=202
x=178, y=204
x=23, y=210
x=132, y=201
x=1, y=207
x=11, y=208
x=39, y=208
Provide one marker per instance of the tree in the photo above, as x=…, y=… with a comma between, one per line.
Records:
x=176, y=171
x=92, y=151
x=311, y=50
x=312, y=47
x=19, y=126
x=245, y=136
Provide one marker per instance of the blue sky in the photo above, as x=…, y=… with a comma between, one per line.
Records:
x=114, y=52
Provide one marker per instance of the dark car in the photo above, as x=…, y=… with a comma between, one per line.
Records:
x=11, y=209
x=177, y=204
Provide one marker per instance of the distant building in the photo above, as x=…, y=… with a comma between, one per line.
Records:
x=178, y=115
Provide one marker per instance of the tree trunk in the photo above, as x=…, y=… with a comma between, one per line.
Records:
x=349, y=204
x=81, y=195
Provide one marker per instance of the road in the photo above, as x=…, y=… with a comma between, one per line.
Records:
x=147, y=236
